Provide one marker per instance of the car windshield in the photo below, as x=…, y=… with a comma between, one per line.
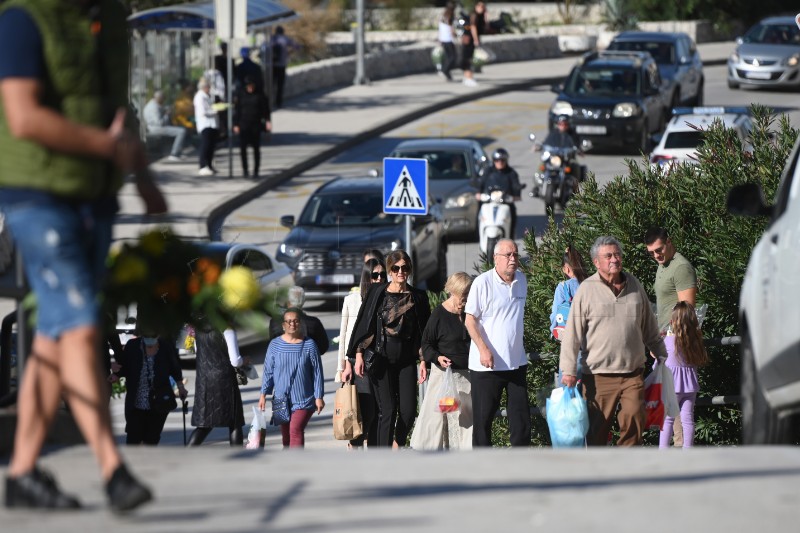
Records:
x=663, y=53
x=773, y=34
x=442, y=164
x=604, y=81
x=347, y=209
x=681, y=140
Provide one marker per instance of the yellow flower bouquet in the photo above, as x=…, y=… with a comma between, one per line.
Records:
x=172, y=283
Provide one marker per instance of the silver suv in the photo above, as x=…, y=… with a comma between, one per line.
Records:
x=769, y=313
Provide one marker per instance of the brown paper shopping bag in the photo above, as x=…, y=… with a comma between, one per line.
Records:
x=346, y=414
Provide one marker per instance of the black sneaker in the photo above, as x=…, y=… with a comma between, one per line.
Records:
x=37, y=490
x=124, y=491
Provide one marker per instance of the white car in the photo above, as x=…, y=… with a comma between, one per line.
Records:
x=266, y=270
x=769, y=313
x=685, y=131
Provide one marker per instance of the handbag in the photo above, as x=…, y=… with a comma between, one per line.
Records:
x=281, y=403
x=346, y=413
x=163, y=401
x=660, y=399
x=241, y=376
x=562, y=312
x=374, y=360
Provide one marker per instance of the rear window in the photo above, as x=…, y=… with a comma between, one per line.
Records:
x=683, y=140
x=663, y=53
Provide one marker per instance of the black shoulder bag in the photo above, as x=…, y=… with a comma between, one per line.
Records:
x=374, y=359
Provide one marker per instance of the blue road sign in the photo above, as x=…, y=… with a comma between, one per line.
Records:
x=405, y=186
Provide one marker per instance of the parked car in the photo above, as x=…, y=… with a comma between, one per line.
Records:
x=677, y=58
x=769, y=313
x=686, y=130
x=615, y=99
x=342, y=218
x=768, y=55
x=267, y=271
x=454, y=166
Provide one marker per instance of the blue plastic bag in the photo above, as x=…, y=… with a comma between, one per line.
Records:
x=567, y=418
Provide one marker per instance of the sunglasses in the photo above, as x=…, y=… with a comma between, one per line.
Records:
x=397, y=268
x=378, y=275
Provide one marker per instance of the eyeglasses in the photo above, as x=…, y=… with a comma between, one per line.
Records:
x=658, y=251
x=607, y=257
x=295, y=322
x=509, y=255
x=397, y=268
x=379, y=275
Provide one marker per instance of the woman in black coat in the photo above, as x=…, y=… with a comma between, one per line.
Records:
x=147, y=363
x=217, y=400
x=403, y=312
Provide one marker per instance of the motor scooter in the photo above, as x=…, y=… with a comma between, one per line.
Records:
x=559, y=173
x=494, y=218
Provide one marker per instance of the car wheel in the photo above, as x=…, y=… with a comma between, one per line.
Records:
x=760, y=423
x=437, y=281
x=732, y=85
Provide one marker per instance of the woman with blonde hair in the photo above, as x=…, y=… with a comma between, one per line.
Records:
x=445, y=344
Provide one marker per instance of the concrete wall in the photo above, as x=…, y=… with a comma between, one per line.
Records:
x=410, y=59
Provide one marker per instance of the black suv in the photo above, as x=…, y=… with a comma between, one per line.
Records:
x=614, y=99
x=343, y=218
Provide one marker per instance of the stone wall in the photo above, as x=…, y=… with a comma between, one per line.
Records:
x=411, y=59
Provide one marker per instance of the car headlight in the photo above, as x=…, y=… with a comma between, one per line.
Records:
x=792, y=60
x=561, y=108
x=291, y=251
x=462, y=200
x=735, y=57
x=396, y=244
x=626, y=110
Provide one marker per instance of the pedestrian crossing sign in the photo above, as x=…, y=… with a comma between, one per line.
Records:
x=405, y=186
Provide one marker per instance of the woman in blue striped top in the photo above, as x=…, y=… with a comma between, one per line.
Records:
x=293, y=364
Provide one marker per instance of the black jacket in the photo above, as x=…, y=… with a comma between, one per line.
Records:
x=506, y=180
x=367, y=319
x=251, y=110
x=166, y=364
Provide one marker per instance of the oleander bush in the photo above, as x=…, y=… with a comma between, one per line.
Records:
x=689, y=201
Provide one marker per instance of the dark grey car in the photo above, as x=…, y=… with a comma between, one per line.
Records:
x=454, y=166
x=678, y=61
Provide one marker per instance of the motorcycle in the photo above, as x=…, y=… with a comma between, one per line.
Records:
x=494, y=218
x=559, y=173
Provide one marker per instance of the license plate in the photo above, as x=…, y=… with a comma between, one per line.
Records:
x=759, y=75
x=336, y=279
x=590, y=130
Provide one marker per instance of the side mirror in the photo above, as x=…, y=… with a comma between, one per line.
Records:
x=557, y=87
x=739, y=40
x=532, y=137
x=586, y=145
x=373, y=173
x=287, y=221
x=748, y=201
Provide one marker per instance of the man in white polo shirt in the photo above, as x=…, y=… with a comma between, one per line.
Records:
x=497, y=360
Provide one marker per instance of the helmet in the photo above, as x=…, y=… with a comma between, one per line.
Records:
x=500, y=155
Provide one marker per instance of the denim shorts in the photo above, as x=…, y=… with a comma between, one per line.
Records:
x=64, y=247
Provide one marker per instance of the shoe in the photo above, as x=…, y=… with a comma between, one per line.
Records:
x=175, y=159
x=469, y=82
x=441, y=74
x=124, y=491
x=37, y=490
x=205, y=171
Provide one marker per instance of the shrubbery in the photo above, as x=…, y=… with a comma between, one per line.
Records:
x=690, y=202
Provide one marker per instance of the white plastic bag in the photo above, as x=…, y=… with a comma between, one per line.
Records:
x=660, y=399
x=257, y=425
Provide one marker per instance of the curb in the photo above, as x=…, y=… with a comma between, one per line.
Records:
x=218, y=214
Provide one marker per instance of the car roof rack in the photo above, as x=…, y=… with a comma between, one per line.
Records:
x=711, y=110
x=621, y=54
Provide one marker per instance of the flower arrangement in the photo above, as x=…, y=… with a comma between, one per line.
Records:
x=172, y=283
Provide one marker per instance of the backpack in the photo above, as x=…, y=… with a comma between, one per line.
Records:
x=562, y=313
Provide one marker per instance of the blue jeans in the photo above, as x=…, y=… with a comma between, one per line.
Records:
x=64, y=247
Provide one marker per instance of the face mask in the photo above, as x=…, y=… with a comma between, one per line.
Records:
x=149, y=341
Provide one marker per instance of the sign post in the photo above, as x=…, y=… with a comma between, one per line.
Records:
x=405, y=190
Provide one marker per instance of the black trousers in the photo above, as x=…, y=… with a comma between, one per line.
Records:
x=395, y=391
x=449, y=58
x=487, y=389
x=235, y=436
x=144, y=427
x=208, y=141
x=369, y=420
x=278, y=80
x=250, y=137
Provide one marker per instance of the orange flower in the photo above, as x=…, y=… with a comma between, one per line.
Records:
x=209, y=269
x=193, y=286
x=169, y=289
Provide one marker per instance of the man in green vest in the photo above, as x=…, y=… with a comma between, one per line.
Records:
x=63, y=150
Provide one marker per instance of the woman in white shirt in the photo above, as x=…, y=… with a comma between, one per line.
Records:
x=207, y=126
x=446, y=40
x=374, y=271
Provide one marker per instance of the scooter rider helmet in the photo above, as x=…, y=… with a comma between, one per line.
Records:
x=501, y=154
